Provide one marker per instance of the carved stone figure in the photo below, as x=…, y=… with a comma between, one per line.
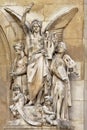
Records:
x=37, y=66
x=18, y=101
x=61, y=84
x=48, y=115
x=50, y=42
x=46, y=67
x=19, y=68
x=18, y=109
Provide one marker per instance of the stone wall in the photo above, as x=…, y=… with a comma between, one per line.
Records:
x=10, y=33
x=85, y=47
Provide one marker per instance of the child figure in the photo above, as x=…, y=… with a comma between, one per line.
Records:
x=49, y=115
x=18, y=101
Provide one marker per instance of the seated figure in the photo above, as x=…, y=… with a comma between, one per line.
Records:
x=18, y=101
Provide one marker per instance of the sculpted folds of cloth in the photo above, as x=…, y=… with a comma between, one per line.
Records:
x=40, y=75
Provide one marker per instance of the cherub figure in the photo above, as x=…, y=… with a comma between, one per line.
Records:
x=18, y=101
x=48, y=115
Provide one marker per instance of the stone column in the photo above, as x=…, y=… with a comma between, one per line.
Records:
x=85, y=49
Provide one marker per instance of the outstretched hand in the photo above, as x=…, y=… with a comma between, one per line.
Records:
x=27, y=10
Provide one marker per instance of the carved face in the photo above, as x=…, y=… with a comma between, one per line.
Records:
x=61, y=47
x=47, y=103
x=18, y=50
x=19, y=47
x=16, y=92
x=54, y=38
x=36, y=28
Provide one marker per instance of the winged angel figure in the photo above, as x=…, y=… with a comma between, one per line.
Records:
x=41, y=42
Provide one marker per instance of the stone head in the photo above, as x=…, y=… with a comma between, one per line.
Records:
x=36, y=26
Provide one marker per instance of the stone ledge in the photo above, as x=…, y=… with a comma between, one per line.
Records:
x=21, y=127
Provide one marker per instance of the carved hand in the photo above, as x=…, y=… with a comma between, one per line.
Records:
x=44, y=52
x=27, y=10
x=12, y=74
x=66, y=81
x=50, y=49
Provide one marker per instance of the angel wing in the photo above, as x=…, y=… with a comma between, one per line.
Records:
x=60, y=20
x=18, y=17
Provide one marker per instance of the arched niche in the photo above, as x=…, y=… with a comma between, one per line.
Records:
x=5, y=62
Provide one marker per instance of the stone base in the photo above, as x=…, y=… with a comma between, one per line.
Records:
x=20, y=124
x=13, y=127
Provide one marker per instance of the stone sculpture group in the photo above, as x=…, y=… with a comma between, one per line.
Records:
x=40, y=82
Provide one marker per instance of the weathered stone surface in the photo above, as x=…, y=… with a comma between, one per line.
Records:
x=73, y=36
x=85, y=116
x=85, y=49
x=34, y=128
x=3, y=102
x=85, y=71
x=77, y=90
x=77, y=111
x=75, y=48
x=19, y=2
x=76, y=23
x=79, y=125
x=85, y=91
x=85, y=2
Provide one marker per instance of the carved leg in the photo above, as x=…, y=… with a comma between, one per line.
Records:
x=55, y=98
x=49, y=120
x=59, y=103
x=64, y=110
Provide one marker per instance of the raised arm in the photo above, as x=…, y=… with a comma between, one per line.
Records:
x=27, y=10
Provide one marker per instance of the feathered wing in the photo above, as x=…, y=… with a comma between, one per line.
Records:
x=17, y=17
x=60, y=21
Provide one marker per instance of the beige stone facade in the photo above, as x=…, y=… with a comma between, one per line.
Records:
x=10, y=33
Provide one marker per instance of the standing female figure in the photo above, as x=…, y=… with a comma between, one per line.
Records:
x=19, y=68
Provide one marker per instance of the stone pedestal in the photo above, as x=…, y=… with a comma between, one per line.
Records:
x=13, y=127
